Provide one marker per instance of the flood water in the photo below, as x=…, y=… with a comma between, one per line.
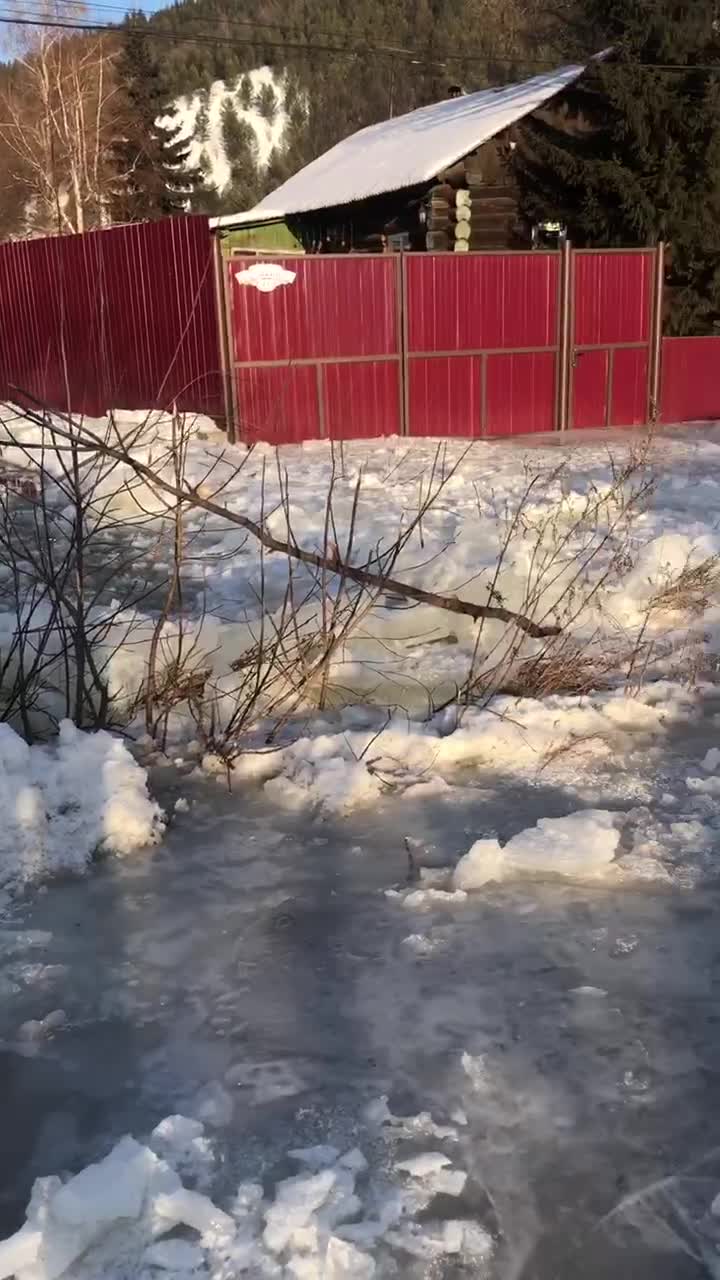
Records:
x=576, y=1026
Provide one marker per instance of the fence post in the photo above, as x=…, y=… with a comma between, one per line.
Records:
x=402, y=313
x=656, y=334
x=224, y=337
x=564, y=357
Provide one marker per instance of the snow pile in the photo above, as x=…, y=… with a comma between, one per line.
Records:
x=341, y=771
x=378, y=731
x=63, y=803
x=132, y=1215
x=580, y=846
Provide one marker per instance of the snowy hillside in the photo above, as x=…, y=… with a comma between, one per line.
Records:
x=201, y=117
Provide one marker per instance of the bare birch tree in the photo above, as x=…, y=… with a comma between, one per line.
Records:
x=58, y=124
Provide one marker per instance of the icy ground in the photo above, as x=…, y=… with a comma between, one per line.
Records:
x=559, y=1042
x=363, y=949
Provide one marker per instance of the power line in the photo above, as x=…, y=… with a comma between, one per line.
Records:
x=305, y=46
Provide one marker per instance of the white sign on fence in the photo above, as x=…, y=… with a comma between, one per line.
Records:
x=265, y=276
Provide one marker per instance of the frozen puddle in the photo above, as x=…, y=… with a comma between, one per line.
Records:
x=516, y=1080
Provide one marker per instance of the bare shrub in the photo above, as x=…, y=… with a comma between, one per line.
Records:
x=691, y=590
x=557, y=552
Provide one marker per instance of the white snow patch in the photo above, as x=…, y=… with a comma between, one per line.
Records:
x=268, y=134
x=63, y=803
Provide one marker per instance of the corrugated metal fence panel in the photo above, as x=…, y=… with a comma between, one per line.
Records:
x=334, y=308
x=444, y=396
x=122, y=318
x=520, y=393
x=459, y=302
x=613, y=297
x=482, y=343
x=629, y=392
x=318, y=356
x=361, y=400
x=690, y=379
x=279, y=404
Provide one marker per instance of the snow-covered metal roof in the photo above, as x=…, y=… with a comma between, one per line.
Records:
x=407, y=150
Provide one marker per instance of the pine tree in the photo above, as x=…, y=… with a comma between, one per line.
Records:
x=634, y=156
x=245, y=92
x=202, y=123
x=154, y=179
x=240, y=146
x=266, y=103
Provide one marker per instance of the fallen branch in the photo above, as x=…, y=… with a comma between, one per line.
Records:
x=332, y=564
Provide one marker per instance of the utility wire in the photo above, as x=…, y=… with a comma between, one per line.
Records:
x=307, y=46
x=303, y=46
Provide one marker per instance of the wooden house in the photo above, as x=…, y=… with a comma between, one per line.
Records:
x=436, y=179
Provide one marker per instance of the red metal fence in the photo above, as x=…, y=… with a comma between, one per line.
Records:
x=122, y=318
x=318, y=356
x=482, y=343
x=344, y=347
x=690, y=379
x=490, y=344
x=612, y=333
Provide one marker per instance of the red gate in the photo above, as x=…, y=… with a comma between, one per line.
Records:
x=487, y=344
x=482, y=343
x=612, y=323
x=316, y=347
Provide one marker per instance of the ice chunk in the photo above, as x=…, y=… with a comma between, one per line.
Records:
x=420, y=1166
x=343, y=1261
x=296, y=1200
x=477, y=1243
x=341, y=1203
x=582, y=845
x=428, y=1240
x=174, y=1255
x=19, y=1252
x=70, y=1218
x=191, y=1209
x=422, y=898
x=446, y=1182
x=340, y=1260
x=39, y=1030
x=354, y=1160
x=181, y=1142
x=704, y=786
x=475, y=1069
x=422, y=1125
x=102, y=1193
x=483, y=863
x=711, y=762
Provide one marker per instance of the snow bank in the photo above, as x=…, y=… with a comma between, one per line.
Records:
x=580, y=846
x=63, y=803
x=341, y=771
x=132, y=1216
x=409, y=660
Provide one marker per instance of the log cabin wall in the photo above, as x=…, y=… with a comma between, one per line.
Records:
x=472, y=206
